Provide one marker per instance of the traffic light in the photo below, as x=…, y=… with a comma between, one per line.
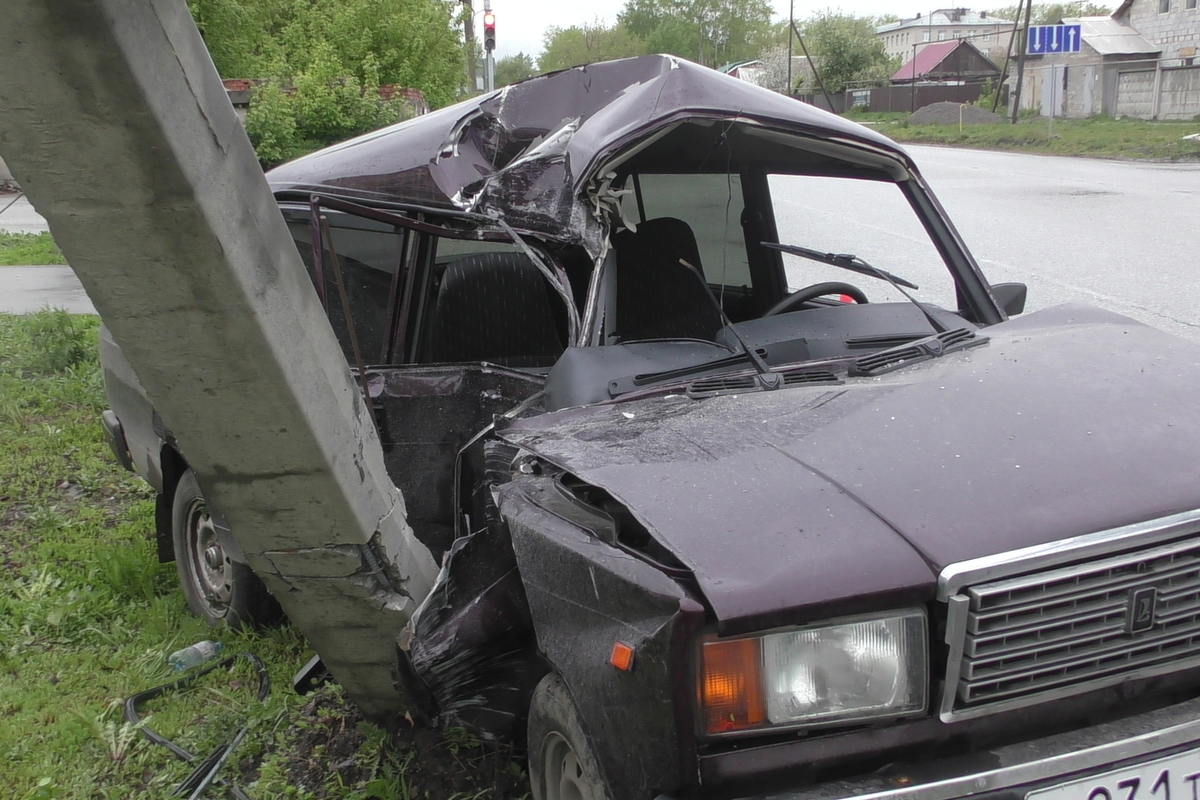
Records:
x=489, y=31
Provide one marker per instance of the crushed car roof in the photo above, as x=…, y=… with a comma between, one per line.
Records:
x=525, y=152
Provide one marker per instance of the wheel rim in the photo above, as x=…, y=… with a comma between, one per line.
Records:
x=210, y=568
x=562, y=770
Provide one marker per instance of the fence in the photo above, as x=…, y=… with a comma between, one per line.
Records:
x=910, y=98
x=1140, y=88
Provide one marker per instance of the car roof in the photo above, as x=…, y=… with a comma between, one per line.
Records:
x=524, y=152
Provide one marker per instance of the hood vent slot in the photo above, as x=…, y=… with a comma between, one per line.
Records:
x=802, y=377
x=881, y=342
x=723, y=384
x=920, y=350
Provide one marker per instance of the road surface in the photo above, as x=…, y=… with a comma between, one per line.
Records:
x=1124, y=236
x=1120, y=235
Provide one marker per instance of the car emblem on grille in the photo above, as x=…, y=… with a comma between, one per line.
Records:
x=1140, y=614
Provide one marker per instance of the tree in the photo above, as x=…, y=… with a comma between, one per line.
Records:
x=514, y=68
x=846, y=50
x=1051, y=13
x=325, y=59
x=711, y=32
x=587, y=44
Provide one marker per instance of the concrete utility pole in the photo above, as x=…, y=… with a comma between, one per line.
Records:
x=121, y=134
x=469, y=37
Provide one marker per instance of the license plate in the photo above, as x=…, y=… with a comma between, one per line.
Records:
x=1171, y=778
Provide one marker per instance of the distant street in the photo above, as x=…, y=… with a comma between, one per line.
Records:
x=18, y=216
x=1119, y=235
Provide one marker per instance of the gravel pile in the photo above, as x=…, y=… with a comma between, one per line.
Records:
x=947, y=114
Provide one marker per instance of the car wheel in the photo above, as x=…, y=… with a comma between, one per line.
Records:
x=216, y=587
x=562, y=764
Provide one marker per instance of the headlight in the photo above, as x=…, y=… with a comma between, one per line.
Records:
x=856, y=669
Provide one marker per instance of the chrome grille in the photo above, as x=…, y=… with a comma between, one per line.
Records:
x=1069, y=629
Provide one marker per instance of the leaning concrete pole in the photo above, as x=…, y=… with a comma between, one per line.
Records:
x=113, y=119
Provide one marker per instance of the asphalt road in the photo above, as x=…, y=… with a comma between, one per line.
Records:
x=1123, y=236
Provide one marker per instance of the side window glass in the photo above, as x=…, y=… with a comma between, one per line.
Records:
x=712, y=206
x=368, y=253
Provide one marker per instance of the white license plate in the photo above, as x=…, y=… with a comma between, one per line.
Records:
x=1171, y=778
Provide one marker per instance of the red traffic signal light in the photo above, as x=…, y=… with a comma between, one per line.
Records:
x=489, y=31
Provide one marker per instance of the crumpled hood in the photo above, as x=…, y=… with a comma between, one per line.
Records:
x=825, y=500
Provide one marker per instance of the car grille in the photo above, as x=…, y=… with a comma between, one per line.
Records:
x=1073, y=628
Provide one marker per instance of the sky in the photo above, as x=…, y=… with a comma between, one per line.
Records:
x=520, y=24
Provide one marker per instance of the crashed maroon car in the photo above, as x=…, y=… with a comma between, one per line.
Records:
x=742, y=480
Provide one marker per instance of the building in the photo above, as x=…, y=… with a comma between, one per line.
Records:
x=989, y=34
x=1173, y=25
x=1096, y=79
x=1140, y=62
x=948, y=62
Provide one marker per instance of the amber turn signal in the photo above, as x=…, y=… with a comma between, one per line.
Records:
x=621, y=657
x=731, y=687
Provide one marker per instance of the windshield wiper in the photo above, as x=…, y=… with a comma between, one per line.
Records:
x=842, y=260
x=769, y=379
x=853, y=263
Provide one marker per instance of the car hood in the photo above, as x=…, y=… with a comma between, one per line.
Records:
x=829, y=500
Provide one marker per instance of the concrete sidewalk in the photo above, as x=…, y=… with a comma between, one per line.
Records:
x=17, y=215
x=24, y=290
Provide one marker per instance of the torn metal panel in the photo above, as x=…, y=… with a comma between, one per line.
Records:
x=524, y=153
x=585, y=595
x=427, y=414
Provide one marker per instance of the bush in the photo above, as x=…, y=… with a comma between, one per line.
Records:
x=59, y=341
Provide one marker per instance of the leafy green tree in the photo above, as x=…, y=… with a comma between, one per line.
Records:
x=846, y=50
x=325, y=59
x=1051, y=13
x=587, y=44
x=514, y=68
x=711, y=32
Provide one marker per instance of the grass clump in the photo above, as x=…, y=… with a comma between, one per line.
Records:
x=1097, y=137
x=17, y=249
x=88, y=617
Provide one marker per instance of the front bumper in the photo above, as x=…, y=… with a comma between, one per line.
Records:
x=1009, y=773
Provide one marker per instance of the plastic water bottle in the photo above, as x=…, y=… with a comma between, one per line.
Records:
x=194, y=656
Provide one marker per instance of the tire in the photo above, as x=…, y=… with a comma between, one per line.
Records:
x=562, y=763
x=217, y=588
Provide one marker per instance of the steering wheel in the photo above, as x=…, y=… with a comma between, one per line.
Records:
x=802, y=296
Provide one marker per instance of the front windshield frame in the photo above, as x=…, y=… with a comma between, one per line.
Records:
x=975, y=302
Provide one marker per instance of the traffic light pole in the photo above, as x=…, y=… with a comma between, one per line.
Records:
x=489, y=44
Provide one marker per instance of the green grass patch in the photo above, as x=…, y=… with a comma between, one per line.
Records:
x=1098, y=137
x=88, y=617
x=17, y=249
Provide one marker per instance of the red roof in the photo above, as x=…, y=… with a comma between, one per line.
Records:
x=927, y=58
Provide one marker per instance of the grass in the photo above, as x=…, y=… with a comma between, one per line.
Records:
x=1097, y=137
x=88, y=616
x=18, y=249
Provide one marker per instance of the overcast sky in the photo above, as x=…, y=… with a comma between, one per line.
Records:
x=520, y=24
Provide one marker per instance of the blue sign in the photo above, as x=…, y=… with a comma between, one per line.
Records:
x=1054, y=39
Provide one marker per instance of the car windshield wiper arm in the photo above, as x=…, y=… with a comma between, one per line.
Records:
x=769, y=379
x=843, y=260
x=856, y=264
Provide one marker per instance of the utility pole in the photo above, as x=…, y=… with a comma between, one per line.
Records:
x=791, y=24
x=469, y=37
x=1021, y=60
x=489, y=46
